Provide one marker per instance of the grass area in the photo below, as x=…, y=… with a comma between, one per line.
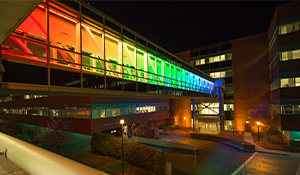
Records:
x=81, y=152
x=275, y=142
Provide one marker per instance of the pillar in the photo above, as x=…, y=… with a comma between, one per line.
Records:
x=193, y=113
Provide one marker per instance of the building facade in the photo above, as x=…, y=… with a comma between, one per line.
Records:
x=284, y=55
x=258, y=68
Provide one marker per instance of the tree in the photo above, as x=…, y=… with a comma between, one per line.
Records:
x=57, y=132
x=264, y=114
x=34, y=132
x=11, y=124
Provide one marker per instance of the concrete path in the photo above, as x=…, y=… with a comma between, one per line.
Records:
x=249, y=138
x=7, y=167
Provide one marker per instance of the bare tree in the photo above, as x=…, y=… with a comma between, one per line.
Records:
x=57, y=132
x=34, y=132
x=264, y=114
x=11, y=124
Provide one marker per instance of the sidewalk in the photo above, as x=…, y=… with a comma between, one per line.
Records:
x=7, y=167
x=249, y=138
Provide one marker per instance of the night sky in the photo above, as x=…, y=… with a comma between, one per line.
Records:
x=178, y=26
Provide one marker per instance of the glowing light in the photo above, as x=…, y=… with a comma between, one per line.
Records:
x=258, y=123
x=184, y=118
x=58, y=14
x=122, y=121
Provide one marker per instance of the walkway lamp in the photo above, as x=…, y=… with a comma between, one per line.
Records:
x=122, y=123
x=258, y=123
x=185, y=124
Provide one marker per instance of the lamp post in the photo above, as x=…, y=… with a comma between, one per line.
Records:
x=185, y=124
x=233, y=128
x=258, y=123
x=122, y=123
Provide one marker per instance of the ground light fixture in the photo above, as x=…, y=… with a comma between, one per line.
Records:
x=122, y=123
x=258, y=123
x=185, y=123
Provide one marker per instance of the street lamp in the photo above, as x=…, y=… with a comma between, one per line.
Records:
x=258, y=123
x=122, y=123
x=185, y=124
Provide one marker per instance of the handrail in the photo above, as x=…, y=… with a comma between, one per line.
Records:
x=35, y=160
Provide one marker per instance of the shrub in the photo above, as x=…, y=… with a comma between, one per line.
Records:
x=135, y=153
x=169, y=126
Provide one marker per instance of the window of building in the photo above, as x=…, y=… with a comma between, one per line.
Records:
x=222, y=57
x=285, y=29
x=275, y=85
x=296, y=54
x=287, y=82
x=228, y=56
x=297, y=81
x=218, y=74
x=217, y=59
x=202, y=61
x=288, y=28
x=287, y=109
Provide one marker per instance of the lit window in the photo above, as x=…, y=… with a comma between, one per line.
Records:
x=217, y=74
x=222, y=57
x=223, y=74
x=197, y=62
x=284, y=56
x=297, y=81
x=284, y=82
x=211, y=59
x=217, y=59
x=202, y=61
x=296, y=54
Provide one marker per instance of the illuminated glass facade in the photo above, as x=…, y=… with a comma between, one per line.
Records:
x=68, y=47
x=216, y=60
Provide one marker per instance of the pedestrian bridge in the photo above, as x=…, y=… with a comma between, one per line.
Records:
x=59, y=49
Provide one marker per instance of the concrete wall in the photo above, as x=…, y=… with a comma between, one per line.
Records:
x=180, y=108
x=250, y=75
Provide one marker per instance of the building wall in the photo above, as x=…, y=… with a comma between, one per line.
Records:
x=185, y=56
x=99, y=125
x=250, y=75
x=180, y=109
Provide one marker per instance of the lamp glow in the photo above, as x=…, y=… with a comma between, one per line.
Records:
x=258, y=123
x=185, y=124
x=122, y=121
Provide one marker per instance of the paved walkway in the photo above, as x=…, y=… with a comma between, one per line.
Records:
x=249, y=138
x=7, y=167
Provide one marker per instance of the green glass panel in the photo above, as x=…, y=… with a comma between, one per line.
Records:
x=141, y=60
x=129, y=55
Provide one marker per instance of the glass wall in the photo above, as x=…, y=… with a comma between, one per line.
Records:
x=72, y=41
x=214, y=59
x=290, y=109
x=285, y=82
x=207, y=108
x=84, y=113
x=221, y=74
x=290, y=55
x=288, y=28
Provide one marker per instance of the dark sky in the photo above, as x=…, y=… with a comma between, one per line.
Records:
x=178, y=26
